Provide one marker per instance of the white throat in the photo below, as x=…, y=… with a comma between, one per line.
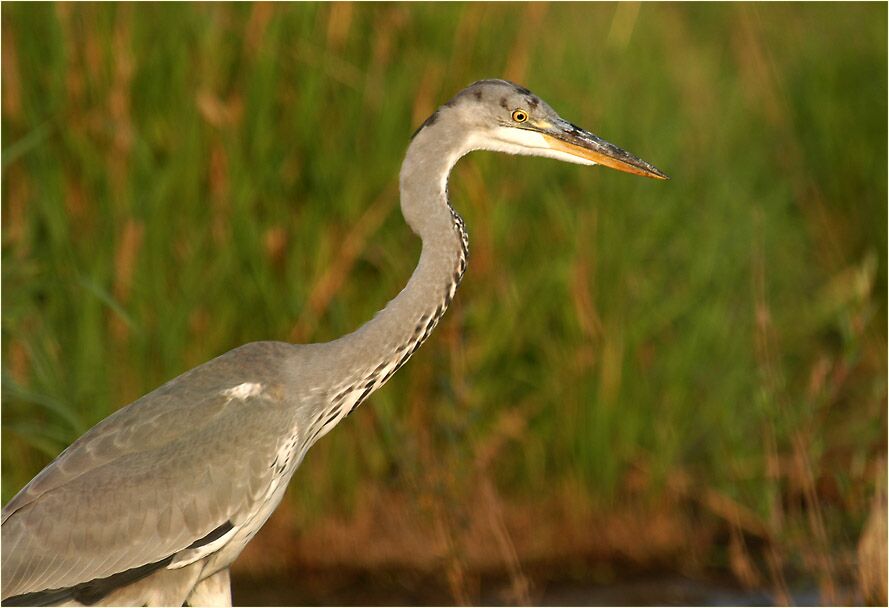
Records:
x=520, y=141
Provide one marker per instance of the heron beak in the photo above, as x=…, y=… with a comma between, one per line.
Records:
x=573, y=140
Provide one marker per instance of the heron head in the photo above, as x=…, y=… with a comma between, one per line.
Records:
x=502, y=116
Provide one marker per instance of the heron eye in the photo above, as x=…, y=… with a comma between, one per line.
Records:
x=520, y=116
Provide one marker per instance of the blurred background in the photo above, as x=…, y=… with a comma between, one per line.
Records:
x=644, y=392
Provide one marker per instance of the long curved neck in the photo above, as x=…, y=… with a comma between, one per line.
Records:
x=361, y=362
x=407, y=320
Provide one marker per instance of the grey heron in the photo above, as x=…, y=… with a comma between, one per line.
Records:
x=153, y=504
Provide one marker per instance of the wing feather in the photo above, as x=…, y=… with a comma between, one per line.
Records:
x=149, y=480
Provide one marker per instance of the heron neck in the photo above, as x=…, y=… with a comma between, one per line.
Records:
x=361, y=362
x=371, y=354
x=407, y=320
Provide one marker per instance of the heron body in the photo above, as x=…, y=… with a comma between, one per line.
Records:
x=153, y=504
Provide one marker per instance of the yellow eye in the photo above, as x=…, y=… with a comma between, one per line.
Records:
x=519, y=116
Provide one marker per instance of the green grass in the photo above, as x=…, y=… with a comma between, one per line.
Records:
x=180, y=179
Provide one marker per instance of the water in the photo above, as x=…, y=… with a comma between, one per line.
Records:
x=416, y=589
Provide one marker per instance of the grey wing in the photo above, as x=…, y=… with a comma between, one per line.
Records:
x=148, y=481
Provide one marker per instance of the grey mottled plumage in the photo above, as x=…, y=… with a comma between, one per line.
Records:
x=154, y=503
